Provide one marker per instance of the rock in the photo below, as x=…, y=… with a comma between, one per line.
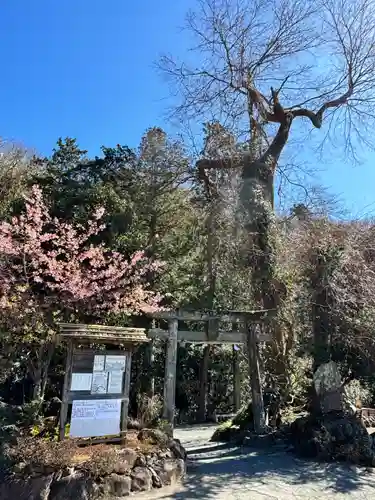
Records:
x=226, y=433
x=10, y=429
x=76, y=486
x=329, y=388
x=327, y=378
x=156, y=481
x=119, y=486
x=140, y=461
x=128, y=470
x=68, y=471
x=41, y=487
x=335, y=436
x=40, y=470
x=126, y=461
x=177, y=449
x=20, y=467
x=141, y=479
x=31, y=489
x=230, y=430
x=9, y=414
x=171, y=471
x=134, y=424
x=151, y=460
x=154, y=436
x=13, y=488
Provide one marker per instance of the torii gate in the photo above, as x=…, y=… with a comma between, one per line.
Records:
x=247, y=334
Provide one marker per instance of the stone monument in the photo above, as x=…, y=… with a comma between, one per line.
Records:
x=329, y=387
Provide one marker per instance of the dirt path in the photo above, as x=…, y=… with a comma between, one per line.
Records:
x=222, y=473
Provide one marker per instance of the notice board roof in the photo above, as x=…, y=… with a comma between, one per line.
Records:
x=100, y=333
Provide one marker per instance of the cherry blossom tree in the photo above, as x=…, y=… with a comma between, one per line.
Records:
x=53, y=271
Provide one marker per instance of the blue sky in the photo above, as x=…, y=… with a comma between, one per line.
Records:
x=85, y=69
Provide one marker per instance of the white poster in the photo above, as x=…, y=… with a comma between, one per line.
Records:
x=99, y=383
x=95, y=418
x=98, y=363
x=108, y=409
x=115, y=379
x=83, y=409
x=81, y=382
x=115, y=363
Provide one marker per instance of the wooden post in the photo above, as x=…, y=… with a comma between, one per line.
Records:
x=256, y=387
x=125, y=393
x=170, y=373
x=203, y=382
x=67, y=380
x=236, y=380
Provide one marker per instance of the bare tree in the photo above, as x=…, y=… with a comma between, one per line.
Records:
x=336, y=268
x=256, y=66
x=275, y=60
x=277, y=63
x=16, y=169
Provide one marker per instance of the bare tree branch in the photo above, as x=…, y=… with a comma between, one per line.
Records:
x=319, y=56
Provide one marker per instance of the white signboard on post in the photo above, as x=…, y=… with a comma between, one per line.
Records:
x=115, y=363
x=95, y=418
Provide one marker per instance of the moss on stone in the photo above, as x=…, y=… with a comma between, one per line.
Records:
x=229, y=429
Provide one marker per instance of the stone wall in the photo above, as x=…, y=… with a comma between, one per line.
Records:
x=132, y=471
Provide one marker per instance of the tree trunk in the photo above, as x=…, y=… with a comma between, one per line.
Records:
x=38, y=370
x=37, y=389
x=256, y=388
x=256, y=214
x=209, y=303
x=203, y=385
x=259, y=223
x=148, y=370
x=320, y=309
x=258, y=219
x=147, y=379
x=148, y=376
x=236, y=380
x=321, y=331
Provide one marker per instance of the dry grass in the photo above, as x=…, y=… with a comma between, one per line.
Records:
x=96, y=459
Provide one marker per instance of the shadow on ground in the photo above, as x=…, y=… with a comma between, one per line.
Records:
x=275, y=474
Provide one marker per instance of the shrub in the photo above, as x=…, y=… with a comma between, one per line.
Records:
x=149, y=410
x=34, y=454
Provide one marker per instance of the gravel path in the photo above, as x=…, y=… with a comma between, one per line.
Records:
x=216, y=471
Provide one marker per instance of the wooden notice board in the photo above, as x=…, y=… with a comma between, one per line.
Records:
x=96, y=385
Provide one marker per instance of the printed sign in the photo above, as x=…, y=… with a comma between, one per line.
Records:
x=95, y=418
x=81, y=382
x=98, y=363
x=115, y=363
x=115, y=382
x=99, y=383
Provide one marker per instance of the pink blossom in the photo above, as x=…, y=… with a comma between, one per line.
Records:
x=51, y=265
x=98, y=214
